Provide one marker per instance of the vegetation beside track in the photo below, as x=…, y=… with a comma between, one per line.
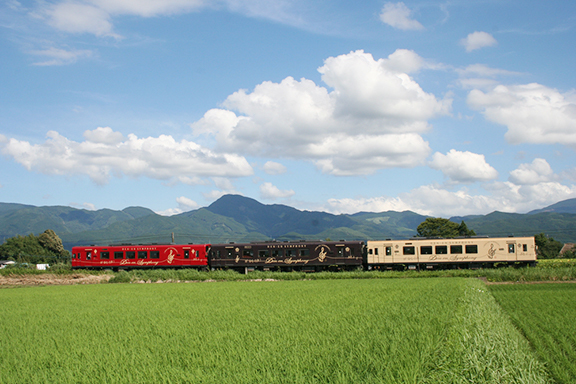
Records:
x=546, y=270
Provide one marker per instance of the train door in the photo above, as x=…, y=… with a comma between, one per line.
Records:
x=511, y=251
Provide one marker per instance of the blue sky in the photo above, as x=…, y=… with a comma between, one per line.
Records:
x=442, y=108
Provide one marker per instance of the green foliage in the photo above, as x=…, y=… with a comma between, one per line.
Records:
x=349, y=331
x=47, y=247
x=439, y=227
x=548, y=248
x=545, y=314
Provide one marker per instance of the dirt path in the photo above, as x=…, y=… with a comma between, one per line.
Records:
x=51, y=279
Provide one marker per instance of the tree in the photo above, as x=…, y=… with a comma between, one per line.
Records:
x=439, y=227
x=547, y=247
x=47, y=247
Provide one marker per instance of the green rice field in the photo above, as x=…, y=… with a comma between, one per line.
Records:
x=435, y=330
x=546, y=314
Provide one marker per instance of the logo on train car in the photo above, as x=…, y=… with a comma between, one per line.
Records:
x=324, y=249
x=171, y=254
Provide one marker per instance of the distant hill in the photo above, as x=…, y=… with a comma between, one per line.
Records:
x=566, y=206
x=239, y=219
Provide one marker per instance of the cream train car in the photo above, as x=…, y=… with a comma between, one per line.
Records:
x=472, y=252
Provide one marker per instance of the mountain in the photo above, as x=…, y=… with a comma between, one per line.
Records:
x=566, y=206
x=234, y=218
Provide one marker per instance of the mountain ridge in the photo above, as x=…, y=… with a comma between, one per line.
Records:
x=235, y=218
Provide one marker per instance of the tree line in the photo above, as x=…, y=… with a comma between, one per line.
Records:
x=45, y=248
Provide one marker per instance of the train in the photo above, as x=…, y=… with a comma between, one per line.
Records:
x=314, y=256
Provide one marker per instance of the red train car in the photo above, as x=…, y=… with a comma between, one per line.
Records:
x=141, y=256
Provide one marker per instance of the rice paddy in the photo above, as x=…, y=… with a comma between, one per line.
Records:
x=316, y=331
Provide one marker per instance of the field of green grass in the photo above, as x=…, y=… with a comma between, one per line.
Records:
x=315, y=331
x=546, y=314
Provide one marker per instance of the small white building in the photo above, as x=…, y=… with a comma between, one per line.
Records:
x=4, y=263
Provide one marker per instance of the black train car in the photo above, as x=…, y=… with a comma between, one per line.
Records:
x=288, y=256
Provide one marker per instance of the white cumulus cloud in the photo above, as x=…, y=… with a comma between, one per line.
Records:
x=539, y=171
x=105, y=153
x=463, y=167
x=273, y=168
x=372, y=119
x=532, y=112
x=398, y=15
x=477, y=40
x=269, y=191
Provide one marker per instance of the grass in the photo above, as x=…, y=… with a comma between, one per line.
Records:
x=545, y=314
x=313, y=331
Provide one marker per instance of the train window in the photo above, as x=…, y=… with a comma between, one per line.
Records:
x=263, y=253
x=370, y=251
x=105, y=255
x=388, y=251
x=441, y=249
x=130, y=255
x=247, y=253
x=304, y=253
x=88, y=255
x=291, y=253
x=376, y=251
x=118, y=255
x=277, y=253
x=525, y=247
x=142, y=254
x=229, y=253
x=186, y=253
x=409, y=251
x=340, y=251
x=195, y=253
x=455, y=249
x=511, y=248
x=472, y=248
x=426, y=250
x=154, y=254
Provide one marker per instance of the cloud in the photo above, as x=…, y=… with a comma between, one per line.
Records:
x=273, y=168
x=398, y=16
x=539, y=171
x=477, y=40
x=95, y=16
x=372, y=119
x=59, y=56
x=532, y=113
x=184, y=205
x=106, y=153
x=436, y=201
x=463, y=167
x=271, y=192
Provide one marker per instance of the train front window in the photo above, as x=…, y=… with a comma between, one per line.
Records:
x=409, y=250
x=426, y=250
x=142, y=254
x=441, y=249
x=456, y=249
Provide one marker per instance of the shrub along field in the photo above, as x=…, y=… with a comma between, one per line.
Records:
x=545, y=313
x=339, y=331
